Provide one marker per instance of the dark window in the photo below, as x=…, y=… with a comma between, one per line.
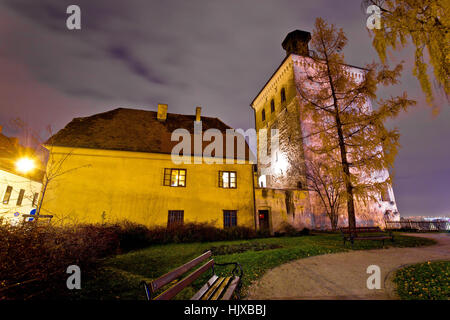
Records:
x=7, y=194
x=175, y=177
x=385, y=194
x=20, y=198
x=283, y=95
x=176, y=217
x=272, y=106
x=227, y=179
x=229, y=218
x=263, y=115
x=35, y=198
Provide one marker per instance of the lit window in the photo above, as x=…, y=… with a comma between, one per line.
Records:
x=7, y=194
x=272, y=106
x=175, y=177
x=227, y=179
x=283, y=95
x=20, y=198
x=229, y=218
x=175, y=218
x=263, y=115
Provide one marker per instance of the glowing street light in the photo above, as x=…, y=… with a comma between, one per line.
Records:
x=24, y=165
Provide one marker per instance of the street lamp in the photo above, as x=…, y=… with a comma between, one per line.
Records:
x=25, y=165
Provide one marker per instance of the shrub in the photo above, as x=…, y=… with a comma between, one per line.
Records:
x=34, y=257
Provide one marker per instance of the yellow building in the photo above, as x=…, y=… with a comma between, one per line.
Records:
x=117, y=165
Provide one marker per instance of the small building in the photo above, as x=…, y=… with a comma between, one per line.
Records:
x=19, y=191
x=119, y=166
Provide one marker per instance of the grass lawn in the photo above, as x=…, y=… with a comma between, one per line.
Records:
x=424, y=281
x=119, y=276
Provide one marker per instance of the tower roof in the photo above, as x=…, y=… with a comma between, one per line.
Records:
x=297, y=42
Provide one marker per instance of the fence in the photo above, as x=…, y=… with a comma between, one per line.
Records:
x=436, y=225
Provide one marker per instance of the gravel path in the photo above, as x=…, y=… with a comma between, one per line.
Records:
x=343, y=275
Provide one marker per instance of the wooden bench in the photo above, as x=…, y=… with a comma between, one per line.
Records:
x=362, y=233
x=216, y=288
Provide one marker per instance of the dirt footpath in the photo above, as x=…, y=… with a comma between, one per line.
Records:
x=343, y=275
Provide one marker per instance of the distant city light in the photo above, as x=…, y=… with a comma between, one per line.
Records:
x=24, y=165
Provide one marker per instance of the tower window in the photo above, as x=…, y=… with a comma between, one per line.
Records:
x=283, y=95
x=263, y=115
x=272, y=106
x=35, y=198
x=7, y=194
x=385, y=194
x=20, y=198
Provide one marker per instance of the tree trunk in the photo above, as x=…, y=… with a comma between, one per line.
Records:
x=343, y=151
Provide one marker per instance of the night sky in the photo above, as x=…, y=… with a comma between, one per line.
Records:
x=215, y=54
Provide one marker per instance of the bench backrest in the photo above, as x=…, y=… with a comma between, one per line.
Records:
x=361, y=230
x=172, y=275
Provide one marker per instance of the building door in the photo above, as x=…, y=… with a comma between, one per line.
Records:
x=263, y=219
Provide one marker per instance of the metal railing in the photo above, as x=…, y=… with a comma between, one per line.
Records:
x=436, y=225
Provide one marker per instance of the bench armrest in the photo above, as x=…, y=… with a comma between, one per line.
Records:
x=148, y=293
x=237, y=267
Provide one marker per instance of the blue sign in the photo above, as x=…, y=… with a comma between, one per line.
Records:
x=32, y=212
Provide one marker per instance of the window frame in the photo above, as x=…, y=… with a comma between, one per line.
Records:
x=263, y=115
x=173, y=218
x=272, y=105
x=167, y=177
x=228, y=218
x=7, y=195
x=221, y=182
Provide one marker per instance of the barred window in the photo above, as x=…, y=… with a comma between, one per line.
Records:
x=175, y=177
x=227, y=179
x=20, y=198
x=272, y=106
x=176, y=217
x=7, y=195
x=229, y=218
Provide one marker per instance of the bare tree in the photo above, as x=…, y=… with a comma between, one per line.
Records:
x=329, y=191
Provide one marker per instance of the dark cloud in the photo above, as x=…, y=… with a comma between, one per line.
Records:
x=216, y=54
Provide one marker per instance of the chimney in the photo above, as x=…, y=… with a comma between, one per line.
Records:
x=162, y=112
x=296, y=42
x=198, y=111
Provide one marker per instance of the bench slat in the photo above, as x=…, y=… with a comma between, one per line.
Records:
x=213, y=289
x=221, y=289
x=231, y=288
x=172, y=275
x=173, y=291
x=205, y=288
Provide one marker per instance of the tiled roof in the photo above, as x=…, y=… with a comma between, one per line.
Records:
x=130, y=130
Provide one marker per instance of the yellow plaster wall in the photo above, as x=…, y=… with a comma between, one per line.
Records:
x=129, y=185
